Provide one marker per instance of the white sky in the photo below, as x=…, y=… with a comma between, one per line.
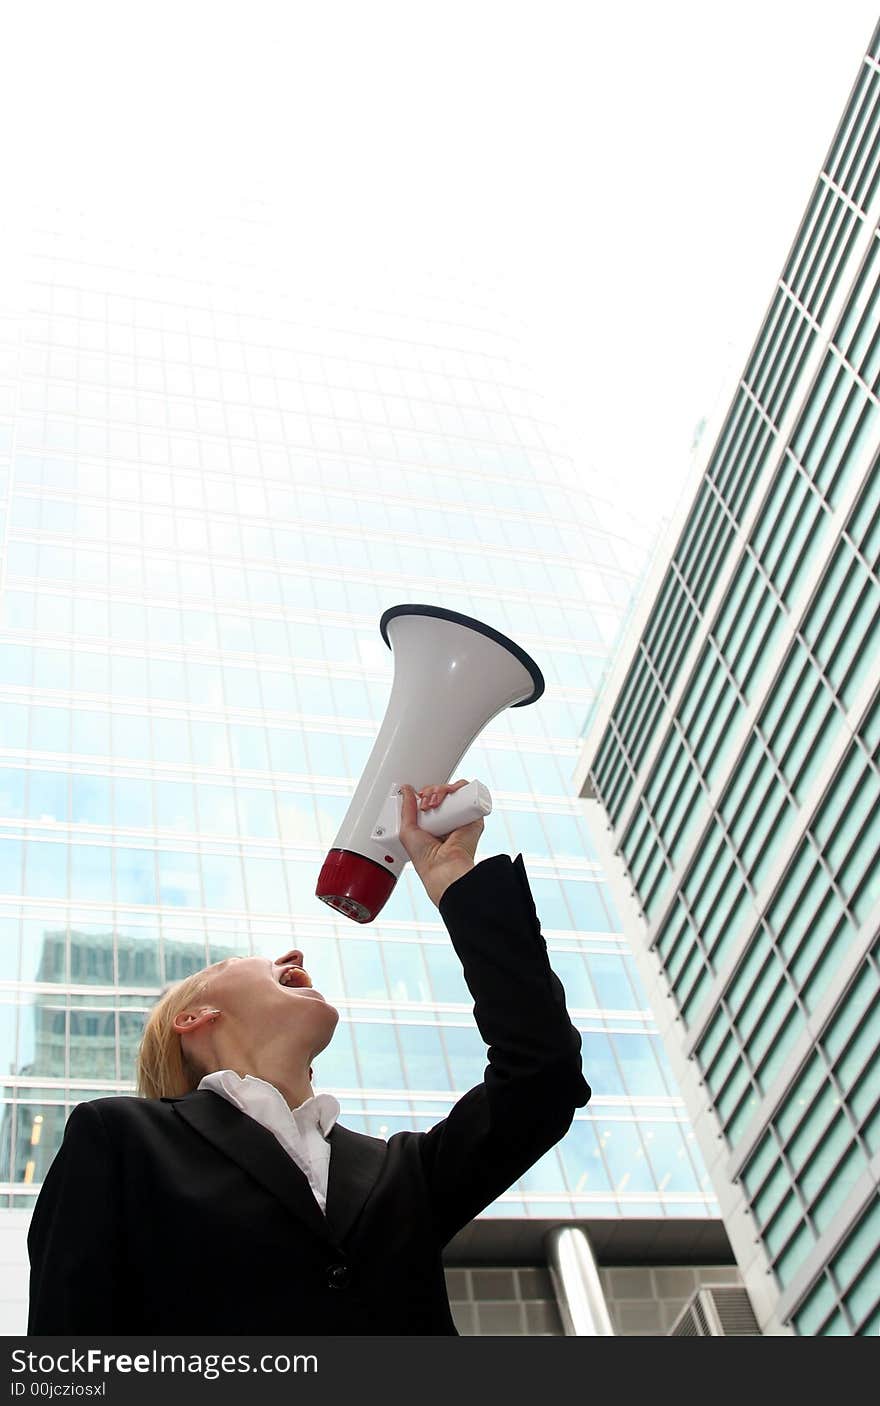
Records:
x=630, y=175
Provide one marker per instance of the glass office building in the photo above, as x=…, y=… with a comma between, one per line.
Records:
x=212, y=484
x=734, y=774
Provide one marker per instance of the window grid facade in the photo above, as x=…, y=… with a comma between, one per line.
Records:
x=810, y=279
x=213, y=493
x=738, y=763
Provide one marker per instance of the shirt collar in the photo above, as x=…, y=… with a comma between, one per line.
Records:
x=321, y=1110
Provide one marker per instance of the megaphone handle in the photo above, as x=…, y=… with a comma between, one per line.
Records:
x=460, y=807
x=470, y=802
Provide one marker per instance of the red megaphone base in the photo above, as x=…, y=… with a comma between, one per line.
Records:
x=354, y=885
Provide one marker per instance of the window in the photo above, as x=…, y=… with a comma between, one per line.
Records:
x=378, y=1055
x=336, y=1066
x=179, y=880
x=45, y=870
x=423, y=1057
x=362, y=969
x=175, y=805
x=266, y=886
x=91, y=800
x=90, y=873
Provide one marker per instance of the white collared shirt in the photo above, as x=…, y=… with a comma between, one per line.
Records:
x=301, y=1131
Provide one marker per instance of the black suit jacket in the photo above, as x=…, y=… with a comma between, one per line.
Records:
x=184, y=1215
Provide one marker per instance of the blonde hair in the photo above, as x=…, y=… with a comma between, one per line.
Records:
x=163, y=1069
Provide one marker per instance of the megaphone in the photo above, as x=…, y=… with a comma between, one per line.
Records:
x=452, y=676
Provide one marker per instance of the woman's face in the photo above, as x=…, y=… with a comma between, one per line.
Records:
x=268, y=996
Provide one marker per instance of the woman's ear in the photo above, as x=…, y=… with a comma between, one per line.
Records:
x=187, y=1022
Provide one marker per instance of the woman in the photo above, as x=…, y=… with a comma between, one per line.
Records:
x=229, y=1199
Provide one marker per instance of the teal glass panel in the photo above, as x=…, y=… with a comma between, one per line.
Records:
x=315, y=695
x=378, y=1055
x=131, y=737
x=8, y=1037
x=204, y=687
x=862, y=1299
x=357, y=752
x=625, y=1157
x=171, y=740
x=45, y=870
x=48, y=796
x=217, y=812
x=407, y=977
x=91, y=672
x=8, y=941
x=351, y=700
x=168, y=680
x=846, y=1174
x=222, y=877
x=669, y=1157
x=610, y=976
x=825, y=1157
x=175, y=806
x=91, y=733
x=52, y=667
x=15, y=664
x=571, y=968
x=549, y=896
x=325, y=754
x=590, y=906
x=335, y=1067
x=43, y=955
x=423, y=1058
x=90, y=800
x=179, y=880
x=600, y=1067
x=526, y=832
x=568, y=837
x=582, y=1159
x=302, y=879
x=287, y=750
x=135, y=875
x=256, y=810
x=794, y=1254
x=321, y=960
x=266, y=885
x=138, y=965
x=409, y=902
x=13, y=726
x=242, y=689
x=210, y=745
x=466, y=1055
x=447, y=979
x=362, y=969
x=297, y=818
x=641, y=1071
x=133, y=802
x=279, y=693
x=91, y=878
x=774, y=1190
x=545, y=1175
x=816, y=1308
x=784, y=1223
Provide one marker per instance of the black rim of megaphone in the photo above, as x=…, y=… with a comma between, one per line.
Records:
x=439, y=613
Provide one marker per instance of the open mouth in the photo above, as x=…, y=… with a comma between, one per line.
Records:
x=295, y=976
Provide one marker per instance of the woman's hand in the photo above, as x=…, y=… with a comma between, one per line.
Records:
x=438, y=863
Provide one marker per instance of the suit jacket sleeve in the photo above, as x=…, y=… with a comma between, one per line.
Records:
x=74, y=1239
x=533, y=1081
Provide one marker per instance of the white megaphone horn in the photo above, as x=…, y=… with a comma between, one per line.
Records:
x=452, y=676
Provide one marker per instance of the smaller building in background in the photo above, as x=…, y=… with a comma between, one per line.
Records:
x=732, y=779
